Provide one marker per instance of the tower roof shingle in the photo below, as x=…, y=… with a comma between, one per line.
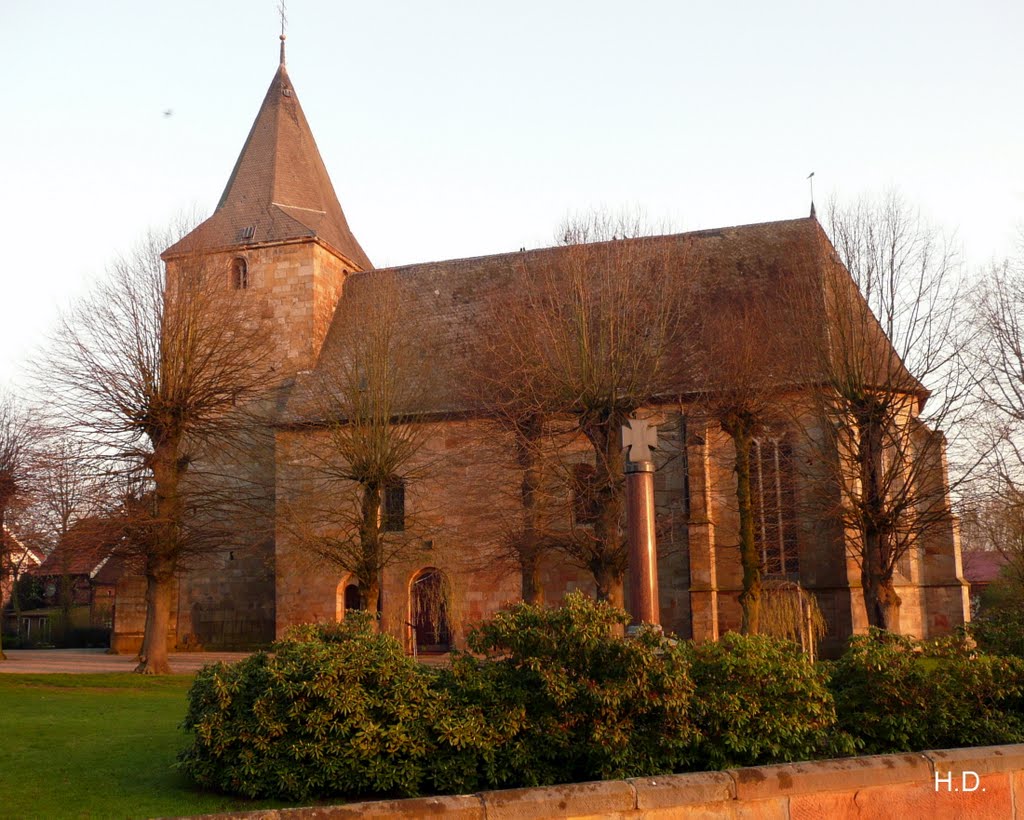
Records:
x=279, y=187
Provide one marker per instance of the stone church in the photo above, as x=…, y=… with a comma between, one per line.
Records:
x=279, y=232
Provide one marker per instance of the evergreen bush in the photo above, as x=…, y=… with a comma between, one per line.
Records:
x=555, y=696
x=760, y=700
x=895, y=694
x=336, y=710
x=1000, y=631
x=883, y=693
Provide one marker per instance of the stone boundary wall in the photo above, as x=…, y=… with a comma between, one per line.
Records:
x=984, y=782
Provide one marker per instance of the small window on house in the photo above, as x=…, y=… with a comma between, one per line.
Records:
x=246, y=233
x=393, y=508
x=239, y=274
x=586, y=507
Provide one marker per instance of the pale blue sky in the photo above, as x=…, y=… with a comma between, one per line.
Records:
x=462, y=128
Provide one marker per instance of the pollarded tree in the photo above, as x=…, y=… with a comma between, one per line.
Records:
x=152, y=374
x=741, y=393
x=593, y=334
x=360, y=438
x=894, y=342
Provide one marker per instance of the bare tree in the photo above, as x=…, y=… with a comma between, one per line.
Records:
x=67, y=491
x=998, y=359
x=362, y=437
x=15, y=439
x=591, y=335
x=154, y=375
x=739, y=390
x=891, y=374
x=997, y=514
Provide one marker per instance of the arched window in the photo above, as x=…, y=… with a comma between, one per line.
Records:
x=772, y=482
x=239, y=273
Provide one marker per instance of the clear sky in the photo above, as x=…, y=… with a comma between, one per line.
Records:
x=463, y=128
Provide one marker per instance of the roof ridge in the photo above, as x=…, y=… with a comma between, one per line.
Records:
x=797, y=221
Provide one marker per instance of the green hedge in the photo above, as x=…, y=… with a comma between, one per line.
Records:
x=894, y=694
x=1000, y=631
x=760, y=701
x=553, y=695
x=337, y=710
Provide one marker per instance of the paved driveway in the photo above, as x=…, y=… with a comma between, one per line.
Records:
x=33, y=661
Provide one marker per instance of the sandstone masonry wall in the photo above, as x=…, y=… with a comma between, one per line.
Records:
x=929, y=784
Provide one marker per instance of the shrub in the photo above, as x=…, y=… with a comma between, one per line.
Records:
x=759, y=700
x=1000, y=631
x=978, y=701
x=895, y=694
x=557, y=697
x=337, y=710
x=882, y=693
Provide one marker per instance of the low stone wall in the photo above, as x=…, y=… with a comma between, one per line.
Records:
x=984, y=782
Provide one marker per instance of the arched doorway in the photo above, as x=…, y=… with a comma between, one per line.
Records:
x=352, y=597
x=428, y=602
x=346, y=596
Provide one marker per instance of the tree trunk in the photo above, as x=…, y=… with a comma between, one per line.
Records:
x=66, y=595
x=609, y=560
x=881, y=602
x=529, y=551
x=159, y=588
x=740, y=427
x=529, y=565
x=609, y=585
x=369, y=596
x=163, y=549
x=16, y=600
x=368, y=573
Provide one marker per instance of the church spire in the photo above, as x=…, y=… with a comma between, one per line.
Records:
x=279, y=189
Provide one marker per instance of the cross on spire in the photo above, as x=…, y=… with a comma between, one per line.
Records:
x=283, y=12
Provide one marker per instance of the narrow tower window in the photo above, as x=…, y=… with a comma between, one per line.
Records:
x=239, y=274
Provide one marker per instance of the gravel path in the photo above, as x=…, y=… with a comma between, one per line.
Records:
x=34, y=661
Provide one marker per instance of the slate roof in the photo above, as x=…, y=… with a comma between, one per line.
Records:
x=775, y=274
x=279, y=186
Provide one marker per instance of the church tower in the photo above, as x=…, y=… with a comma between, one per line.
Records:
x=279, y=234
x=279, y=231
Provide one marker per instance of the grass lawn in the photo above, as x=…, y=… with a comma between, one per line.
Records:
x=97, y=746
